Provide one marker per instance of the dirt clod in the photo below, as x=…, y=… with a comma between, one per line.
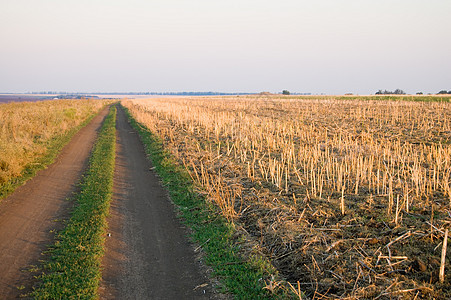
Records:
x=373, y=241
x=419, y=265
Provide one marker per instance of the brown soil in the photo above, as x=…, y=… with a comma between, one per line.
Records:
x=148, y=255
x=29, y=216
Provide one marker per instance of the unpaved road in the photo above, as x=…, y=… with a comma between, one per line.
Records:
x=148, y=255
x=28, y=216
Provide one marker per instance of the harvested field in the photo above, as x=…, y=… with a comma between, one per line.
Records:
x=348, y=198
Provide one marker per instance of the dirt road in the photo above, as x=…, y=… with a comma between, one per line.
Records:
x=29, y=216
x=148, y=255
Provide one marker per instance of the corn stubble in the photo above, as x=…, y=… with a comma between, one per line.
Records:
x=347, y=198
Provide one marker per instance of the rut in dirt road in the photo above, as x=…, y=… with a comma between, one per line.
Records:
x=27, y=217
x=148, y=255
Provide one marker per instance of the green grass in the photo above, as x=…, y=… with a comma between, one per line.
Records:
x=244, y=278
x=54, y=147
x=73, y=271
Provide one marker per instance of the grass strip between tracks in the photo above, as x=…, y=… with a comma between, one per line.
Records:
x=54, y=147
x=73, y=271
x=243, y=278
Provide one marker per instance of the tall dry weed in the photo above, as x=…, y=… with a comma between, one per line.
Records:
x=26, y=128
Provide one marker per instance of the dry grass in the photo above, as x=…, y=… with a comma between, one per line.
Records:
x=348, y=197
x=27, y=128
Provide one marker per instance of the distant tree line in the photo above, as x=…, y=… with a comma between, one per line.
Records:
x=401, y=92
x=147, y=93
x=386, y=92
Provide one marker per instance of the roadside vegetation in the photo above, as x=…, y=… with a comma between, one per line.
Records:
x=347, y=197
x=73, y=270
x=32, y=134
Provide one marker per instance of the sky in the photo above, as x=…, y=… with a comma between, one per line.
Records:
x=322, y=46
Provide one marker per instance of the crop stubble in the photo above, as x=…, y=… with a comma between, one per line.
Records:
x=350, y=198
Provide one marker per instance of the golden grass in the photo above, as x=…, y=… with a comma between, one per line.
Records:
x=26, y=129
x=324, y=187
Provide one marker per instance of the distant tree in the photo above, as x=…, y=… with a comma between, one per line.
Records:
x=285, y=92
x=385, y=92
x=443, y=92
x=419, y=93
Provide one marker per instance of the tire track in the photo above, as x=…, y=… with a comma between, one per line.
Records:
x=148, y=255
x=27, y=217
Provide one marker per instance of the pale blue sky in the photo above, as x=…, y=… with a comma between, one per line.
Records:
x=323, y=46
